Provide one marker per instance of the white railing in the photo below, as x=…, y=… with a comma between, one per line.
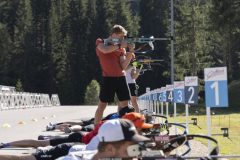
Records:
x=55, y=100
x=23, y=100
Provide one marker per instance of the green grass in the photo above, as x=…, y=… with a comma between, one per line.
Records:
x=227, y=145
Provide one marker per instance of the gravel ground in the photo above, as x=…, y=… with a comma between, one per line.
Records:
x=198, y=149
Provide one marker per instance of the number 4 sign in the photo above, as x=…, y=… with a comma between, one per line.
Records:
x=169, y=93
x=216, y=91
x=191, y=90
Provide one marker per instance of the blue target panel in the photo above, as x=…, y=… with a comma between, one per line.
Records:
x=178, y=92
x=216, y=88
x=169, y=93
x=191, y=90
x=163, y=91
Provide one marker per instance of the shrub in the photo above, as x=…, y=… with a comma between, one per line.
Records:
x=92, y=92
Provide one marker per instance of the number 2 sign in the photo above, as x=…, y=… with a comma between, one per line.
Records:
x=191, y=90
x=216, y=91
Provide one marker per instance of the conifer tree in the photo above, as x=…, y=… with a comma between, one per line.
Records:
x=193, y=39
x=226, y=22
x=153, y=21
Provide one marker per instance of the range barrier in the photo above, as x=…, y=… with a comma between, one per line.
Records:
x=55, y=100
x=23, y=100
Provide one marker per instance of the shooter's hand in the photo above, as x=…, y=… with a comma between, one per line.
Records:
x=131, y=55
x=131, y=47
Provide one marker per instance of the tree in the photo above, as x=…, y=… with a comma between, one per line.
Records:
x=91, y=93
x=126, y=18
x=5, y=57
x=19, y=87
x=16, y=17
x=59, y=41
x=226, y=22
x=194, y=39
x=153, y=22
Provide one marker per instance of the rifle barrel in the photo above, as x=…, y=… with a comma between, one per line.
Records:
x=161, y=39
x=212, y=156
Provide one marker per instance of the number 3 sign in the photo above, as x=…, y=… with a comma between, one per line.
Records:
x=178, y=92
x=191, y=90
x=216, y=91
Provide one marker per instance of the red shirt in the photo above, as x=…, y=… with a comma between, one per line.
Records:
x=87, y=137
x=110, y=62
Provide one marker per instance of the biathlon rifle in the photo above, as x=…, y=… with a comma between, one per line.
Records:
x=145, y=64
x=140, y=62
x=174, y=142
x=131, y=40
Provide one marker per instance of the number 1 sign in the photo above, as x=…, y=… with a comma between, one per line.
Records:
x=216, y=91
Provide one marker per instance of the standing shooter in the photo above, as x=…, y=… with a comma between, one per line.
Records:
x=113, y=60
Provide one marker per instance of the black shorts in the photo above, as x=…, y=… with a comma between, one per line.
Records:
x=133, y=89
x=54, y=152
x=112, y=85
x=73, y=137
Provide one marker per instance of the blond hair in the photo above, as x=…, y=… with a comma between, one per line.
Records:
x=118, y=29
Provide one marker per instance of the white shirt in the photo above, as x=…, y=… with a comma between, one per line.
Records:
x=79, y=155
x=129, y=78
x=93, y=144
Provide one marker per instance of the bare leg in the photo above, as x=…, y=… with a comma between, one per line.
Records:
x=17, y=157
x=99, y=112
x=75, y=128
x=30, y=143
x=135, y=103
x=61, y=127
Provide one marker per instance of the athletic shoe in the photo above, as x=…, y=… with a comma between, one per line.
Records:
x=4, y=145
x=50, y=127
x=43, y=137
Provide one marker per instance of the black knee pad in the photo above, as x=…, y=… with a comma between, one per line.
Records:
x=125, y=110
x=75, y=137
